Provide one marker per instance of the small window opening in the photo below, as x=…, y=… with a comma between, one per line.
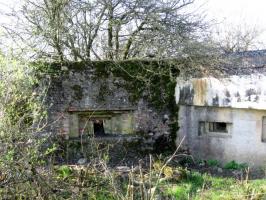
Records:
x=263, y=137
x=201, y=130
x=220, y=127
x=98, y=127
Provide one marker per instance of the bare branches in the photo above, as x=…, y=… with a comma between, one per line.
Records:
x=237, y=38
x=113, y=29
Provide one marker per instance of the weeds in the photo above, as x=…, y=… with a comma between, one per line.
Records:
x=234, y=165
x=201, y=187
x=213, y=163
x=29, y=166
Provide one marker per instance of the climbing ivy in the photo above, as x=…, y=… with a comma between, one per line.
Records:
x=151, y=79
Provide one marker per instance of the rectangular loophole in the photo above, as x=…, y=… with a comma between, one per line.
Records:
x=263, y=136
x=219, y=127
x=105, y=123
x=215, y=129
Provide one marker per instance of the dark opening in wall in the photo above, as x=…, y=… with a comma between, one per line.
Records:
x=214, y=128
x=98, y=127
x=101, y=123
x=218, y=127
x=263, y=137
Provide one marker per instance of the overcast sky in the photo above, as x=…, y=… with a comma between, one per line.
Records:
x=252, y=11
x=229, y=11
x=249, y=12
x=234, y=12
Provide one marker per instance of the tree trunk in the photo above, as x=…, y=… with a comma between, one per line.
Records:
x=130, y=40
x=110, y=33
x=58, y=48
x=117, y=46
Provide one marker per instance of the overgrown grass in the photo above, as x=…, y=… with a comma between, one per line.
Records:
x=28, y=170
x=234, y=165
x=201, y=187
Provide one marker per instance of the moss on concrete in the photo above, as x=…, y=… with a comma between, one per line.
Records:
x=78, y=92
x=153, y=80
x=103, y=92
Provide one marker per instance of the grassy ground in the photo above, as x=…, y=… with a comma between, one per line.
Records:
x=202, y=181
x=198, y=186
x=190, y=186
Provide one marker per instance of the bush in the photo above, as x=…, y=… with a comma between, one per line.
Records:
x=212, y=163
x=21, y=124
x=234, y=165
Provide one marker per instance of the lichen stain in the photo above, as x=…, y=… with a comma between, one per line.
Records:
x=215, y=100
x=235, y=91
x=227, y=94
x=200, y=87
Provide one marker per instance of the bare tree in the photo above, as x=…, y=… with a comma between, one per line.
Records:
x=100, y=29
x=238, y=38
x=84, y=22
x=46, y=20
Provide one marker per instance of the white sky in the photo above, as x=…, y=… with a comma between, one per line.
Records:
x=250, y=12
x=237, y=12
x=253, y=11
x=231, y=11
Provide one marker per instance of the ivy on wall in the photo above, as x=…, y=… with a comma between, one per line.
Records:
x=150, y=79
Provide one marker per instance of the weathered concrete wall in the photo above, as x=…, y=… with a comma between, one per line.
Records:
x=235, y=102
x=77, y=92
x=246, y=91
x=243, y=143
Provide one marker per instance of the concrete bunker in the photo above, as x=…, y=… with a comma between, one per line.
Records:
x=99, y=100
x=224, y=117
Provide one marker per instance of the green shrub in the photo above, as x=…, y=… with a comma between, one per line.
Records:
x=180, y=191
x=234, y=165
x=212, y=163
x=64, y=171
x=22, y=119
